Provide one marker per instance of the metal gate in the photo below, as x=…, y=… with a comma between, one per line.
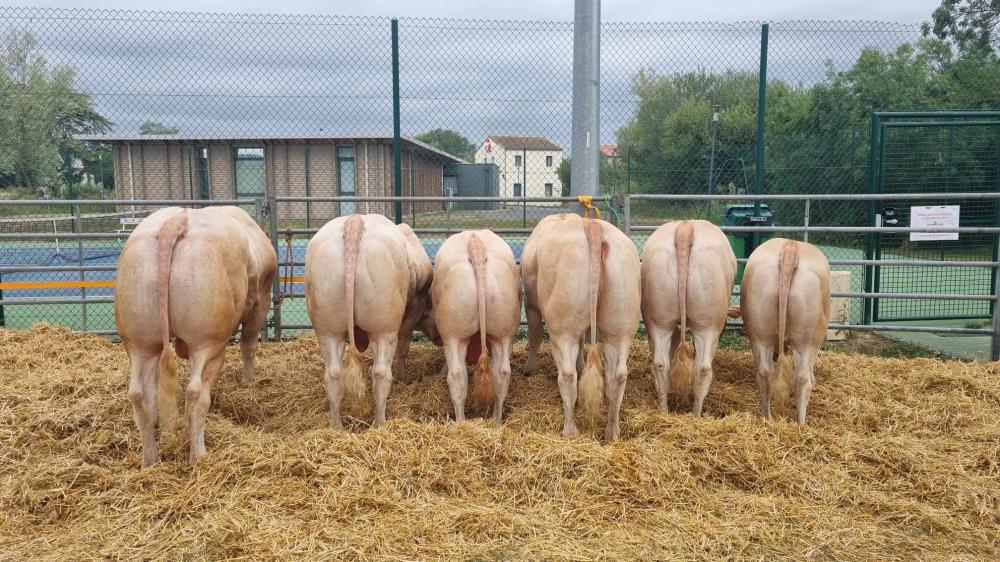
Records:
x=933, y=152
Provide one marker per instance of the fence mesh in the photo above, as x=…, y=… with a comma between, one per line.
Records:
x=198, y=106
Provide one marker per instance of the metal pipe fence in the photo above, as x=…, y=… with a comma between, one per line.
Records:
x=79, y=292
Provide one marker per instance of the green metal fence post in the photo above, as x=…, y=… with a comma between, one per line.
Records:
x=397, y=144
x=996, y=243
x=78, y=228
x=413, y=191
x=258, y=216
x=524, y=187
x=272, y=215
x=758, y=180
x=879, y=188
x=869, y=271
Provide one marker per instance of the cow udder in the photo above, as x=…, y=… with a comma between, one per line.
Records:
x=474, y=350
x=360, y=339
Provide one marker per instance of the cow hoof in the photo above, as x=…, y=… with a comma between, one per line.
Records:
x=570, y=431
x=611, y=434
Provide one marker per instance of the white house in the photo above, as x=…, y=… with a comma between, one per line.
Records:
x=528, y=166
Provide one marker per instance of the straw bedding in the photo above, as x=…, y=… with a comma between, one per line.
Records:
x=899, y=459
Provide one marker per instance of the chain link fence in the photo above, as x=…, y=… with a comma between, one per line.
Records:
x=205, y=107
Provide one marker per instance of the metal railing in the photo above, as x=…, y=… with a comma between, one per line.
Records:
x=275, y=212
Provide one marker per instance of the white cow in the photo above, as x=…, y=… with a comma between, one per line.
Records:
x=785, y=301
x=688, y=269
x=364, y=281
x=476, y=294
x=199, y=275
x=582, y=274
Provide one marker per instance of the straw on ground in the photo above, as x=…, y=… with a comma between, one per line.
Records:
x=900, y=460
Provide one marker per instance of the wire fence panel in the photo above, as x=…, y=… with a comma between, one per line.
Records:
x=142, y=105
x=939, y=156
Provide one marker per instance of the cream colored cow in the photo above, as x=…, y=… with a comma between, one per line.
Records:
x=199, y=275
x=785, y=301
x=365, y=279
x=477, y=310
x=578, y=274
x=688, y=269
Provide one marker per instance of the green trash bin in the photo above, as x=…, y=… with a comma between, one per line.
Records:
x=742, y=242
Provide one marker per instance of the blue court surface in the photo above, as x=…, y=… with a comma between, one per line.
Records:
x=99, y=316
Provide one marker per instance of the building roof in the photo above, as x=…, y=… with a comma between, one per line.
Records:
x=523, y=143
x=135, y=137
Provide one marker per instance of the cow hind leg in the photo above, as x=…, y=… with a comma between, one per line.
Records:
x=584, y=340
x=564, y=352
x=249, y=335
x=534, y=337
x=706, y=343
x=142, y=395
x=500, y=369
x=206, y=364
x=385, y=351
x=616, y=373
x=659, y=344
x=332, y=350
x=763, y=353
x=458, y=376
x=805, y=361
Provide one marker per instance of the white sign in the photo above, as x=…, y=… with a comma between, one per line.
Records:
x=941, y=216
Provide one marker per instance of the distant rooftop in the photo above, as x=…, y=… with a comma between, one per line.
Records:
x=136, y=137
x=523, y=143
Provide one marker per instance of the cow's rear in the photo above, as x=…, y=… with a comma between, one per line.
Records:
x=785, y=301
x=688, y=269
x=198, y=276
x=582, y=276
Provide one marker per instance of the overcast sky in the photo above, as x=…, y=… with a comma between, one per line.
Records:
x=900, y=11
x=272, y=75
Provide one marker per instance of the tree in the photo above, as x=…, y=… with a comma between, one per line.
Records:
x=564, y=174
x=971, y=24
x=671, y=131
x=450, y=142
x=40, y=114
x=156, y=128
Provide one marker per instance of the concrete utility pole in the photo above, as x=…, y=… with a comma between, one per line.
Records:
x=586, y=98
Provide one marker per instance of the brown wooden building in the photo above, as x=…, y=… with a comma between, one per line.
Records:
x=178, y=167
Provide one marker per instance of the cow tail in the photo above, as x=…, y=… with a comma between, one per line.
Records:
x=354, y=387
x=482, y=379
x=680, y=363
x=788, y=262
x=166, y=385
x=591, y=381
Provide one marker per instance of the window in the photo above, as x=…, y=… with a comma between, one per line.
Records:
x=346, y=178
x=548, y=188
x=198, y=165
x=249, y=172
x=517, y=160
x=517, y=190
x=548, y=161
